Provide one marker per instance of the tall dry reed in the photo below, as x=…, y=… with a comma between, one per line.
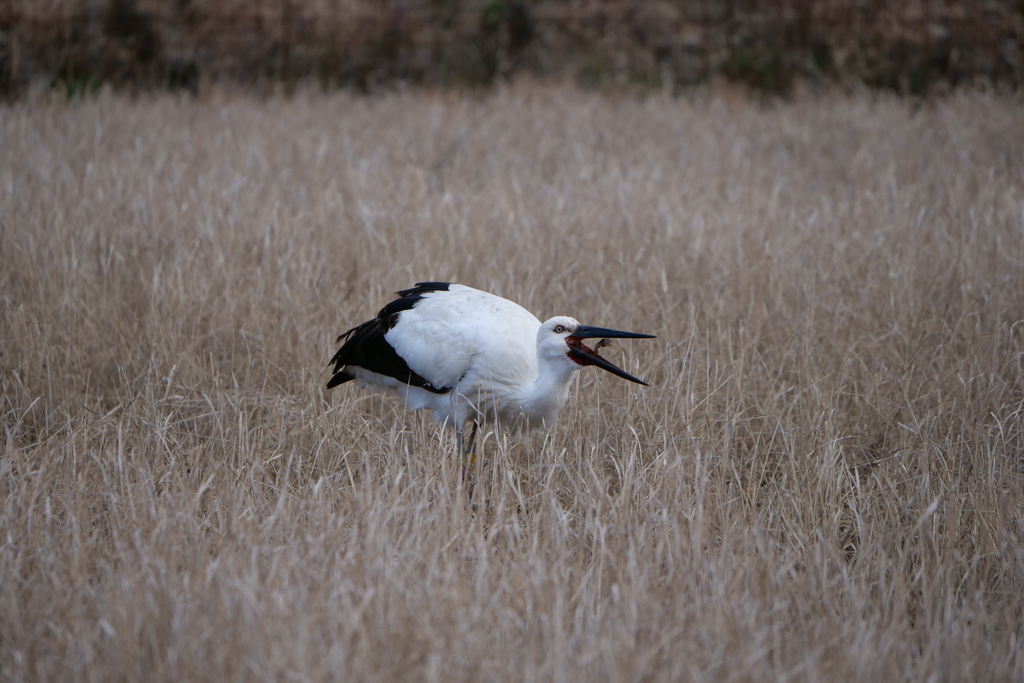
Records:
x=823, y=483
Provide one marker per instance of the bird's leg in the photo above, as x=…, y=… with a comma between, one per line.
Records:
x=468, y=456
x=469, y=446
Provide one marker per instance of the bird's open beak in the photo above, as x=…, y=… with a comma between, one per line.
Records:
x=584, y=355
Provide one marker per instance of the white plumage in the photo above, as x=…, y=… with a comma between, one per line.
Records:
x=468, y=355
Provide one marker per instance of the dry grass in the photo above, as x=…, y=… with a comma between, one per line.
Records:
x=824, y=482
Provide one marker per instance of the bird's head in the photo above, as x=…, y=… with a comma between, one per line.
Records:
x=563, y=337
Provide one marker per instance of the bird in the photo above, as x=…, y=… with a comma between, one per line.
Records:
x=471, y=357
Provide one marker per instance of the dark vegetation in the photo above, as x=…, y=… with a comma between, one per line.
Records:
x=768, y=45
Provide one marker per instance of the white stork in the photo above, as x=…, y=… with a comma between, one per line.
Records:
x=470, y=356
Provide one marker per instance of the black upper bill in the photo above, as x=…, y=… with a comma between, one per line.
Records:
x=587, y=332
x=584, y=355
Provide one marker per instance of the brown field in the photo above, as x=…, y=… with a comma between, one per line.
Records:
x=825, y=481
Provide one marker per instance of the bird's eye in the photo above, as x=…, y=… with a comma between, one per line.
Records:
x=559, y=329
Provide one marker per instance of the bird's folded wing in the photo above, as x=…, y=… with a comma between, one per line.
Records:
x=448, y=334
x=431, y=349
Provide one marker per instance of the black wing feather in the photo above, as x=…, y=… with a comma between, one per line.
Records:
x=366, y=347
x=423, y=287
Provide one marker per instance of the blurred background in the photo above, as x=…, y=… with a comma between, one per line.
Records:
x=913, y=47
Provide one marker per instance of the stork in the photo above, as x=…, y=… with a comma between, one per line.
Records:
x=468, y=356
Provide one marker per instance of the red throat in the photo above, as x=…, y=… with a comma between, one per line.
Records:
x=580, y=358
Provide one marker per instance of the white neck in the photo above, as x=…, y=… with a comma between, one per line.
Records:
x=549, y=392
